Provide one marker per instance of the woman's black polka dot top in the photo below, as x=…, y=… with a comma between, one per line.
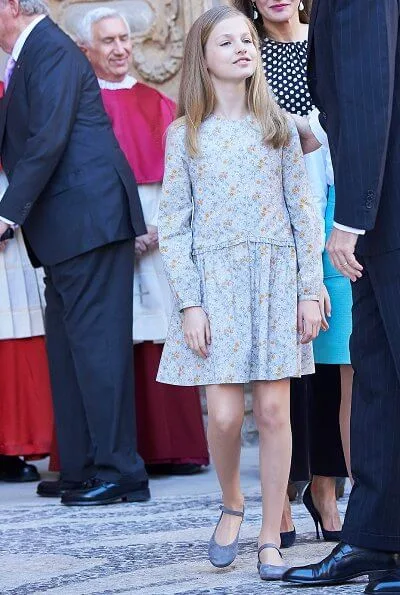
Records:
x=285, y=67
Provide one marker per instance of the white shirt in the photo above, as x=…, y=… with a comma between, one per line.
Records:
x=16, y=51
x=322, y=138
x=127, y=83
x=19, y=44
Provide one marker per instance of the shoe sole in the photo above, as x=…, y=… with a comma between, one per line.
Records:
x=20, y=480
x=327, y=581
x=222, y=565
x=143, y=496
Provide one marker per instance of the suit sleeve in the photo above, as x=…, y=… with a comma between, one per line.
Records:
x=53, y=92
x=364, y=40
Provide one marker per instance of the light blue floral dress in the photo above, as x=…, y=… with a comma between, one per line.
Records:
x=240, y=237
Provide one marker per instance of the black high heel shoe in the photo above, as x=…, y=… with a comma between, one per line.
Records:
x=309, y=504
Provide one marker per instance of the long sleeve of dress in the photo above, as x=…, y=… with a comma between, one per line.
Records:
x=303, y=218
x=174, y=223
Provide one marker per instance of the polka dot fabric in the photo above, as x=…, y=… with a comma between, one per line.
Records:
x=285, y=67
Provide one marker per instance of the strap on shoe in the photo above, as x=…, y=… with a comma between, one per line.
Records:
x=268, y=546
x=232, y=512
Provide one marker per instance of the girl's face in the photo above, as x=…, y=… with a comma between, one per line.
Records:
x=230, y=53
x=277, y=11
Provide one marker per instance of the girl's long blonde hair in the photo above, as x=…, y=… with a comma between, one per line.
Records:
x=197, y=98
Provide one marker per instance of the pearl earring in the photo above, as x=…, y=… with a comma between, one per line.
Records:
x=301, y=6
x=255, y=12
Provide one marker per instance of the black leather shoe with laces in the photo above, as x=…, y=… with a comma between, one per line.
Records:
x=344, y=563
x=55, y=489
x=97, y=491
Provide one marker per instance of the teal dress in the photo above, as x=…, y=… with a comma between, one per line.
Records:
x=332, y=346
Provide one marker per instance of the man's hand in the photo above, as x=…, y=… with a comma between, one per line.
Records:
x=309, y=142
x=152, y=233
x=340, y=247
x=3, y=228
x=146, y=242
x=308, y=320
x=196, y=329
x=140, y=246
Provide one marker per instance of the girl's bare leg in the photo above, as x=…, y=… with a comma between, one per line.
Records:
x=271, y=407
x=287, y=521
x=225, y=403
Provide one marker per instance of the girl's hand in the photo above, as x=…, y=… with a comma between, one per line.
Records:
x=196, y=329
x=308, y=320
x=325, y=308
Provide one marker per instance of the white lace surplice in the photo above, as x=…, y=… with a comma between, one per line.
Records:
x=21, y=289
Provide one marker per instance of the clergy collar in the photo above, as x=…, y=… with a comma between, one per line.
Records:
x=127, y=83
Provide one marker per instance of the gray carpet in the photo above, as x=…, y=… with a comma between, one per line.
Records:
x=156, y=548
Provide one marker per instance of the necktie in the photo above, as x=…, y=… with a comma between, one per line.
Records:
x=8, y=72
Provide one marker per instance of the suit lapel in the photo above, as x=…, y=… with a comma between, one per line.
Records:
x=17, y=72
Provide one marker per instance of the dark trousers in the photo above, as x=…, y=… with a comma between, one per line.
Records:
x=373, y=519
x=314, y=411
x=89, y=341
x=299, y=400
x=326, y=450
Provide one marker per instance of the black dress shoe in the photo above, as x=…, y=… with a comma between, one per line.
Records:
x=387, y=583
x=55, y=489
x=173, y=468
x=96, y=491
x=344, y=563
x=15, y=470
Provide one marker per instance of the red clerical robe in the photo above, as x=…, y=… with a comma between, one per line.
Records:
x=169, y=418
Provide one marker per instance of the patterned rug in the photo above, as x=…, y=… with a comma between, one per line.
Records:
x=156, y=548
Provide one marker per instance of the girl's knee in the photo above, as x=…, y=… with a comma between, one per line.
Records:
x=226, y=422
x=271, y=417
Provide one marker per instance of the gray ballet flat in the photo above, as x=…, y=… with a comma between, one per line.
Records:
x=223, y=555
x=269, y=572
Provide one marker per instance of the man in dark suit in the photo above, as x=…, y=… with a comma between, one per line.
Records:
x=354, y=78
x=73, y=192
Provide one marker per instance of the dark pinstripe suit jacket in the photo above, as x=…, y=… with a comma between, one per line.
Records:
x=354, y=79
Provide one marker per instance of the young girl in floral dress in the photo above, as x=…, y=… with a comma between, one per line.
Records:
x=240, y=242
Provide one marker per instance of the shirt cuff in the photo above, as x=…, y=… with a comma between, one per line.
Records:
x=317, y=129
x=360, y=232
x=190, y=304
x=7, y=221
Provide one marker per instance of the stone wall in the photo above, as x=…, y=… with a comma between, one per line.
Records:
x=158, y=27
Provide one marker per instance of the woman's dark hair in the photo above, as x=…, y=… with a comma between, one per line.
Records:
x=247, y=7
